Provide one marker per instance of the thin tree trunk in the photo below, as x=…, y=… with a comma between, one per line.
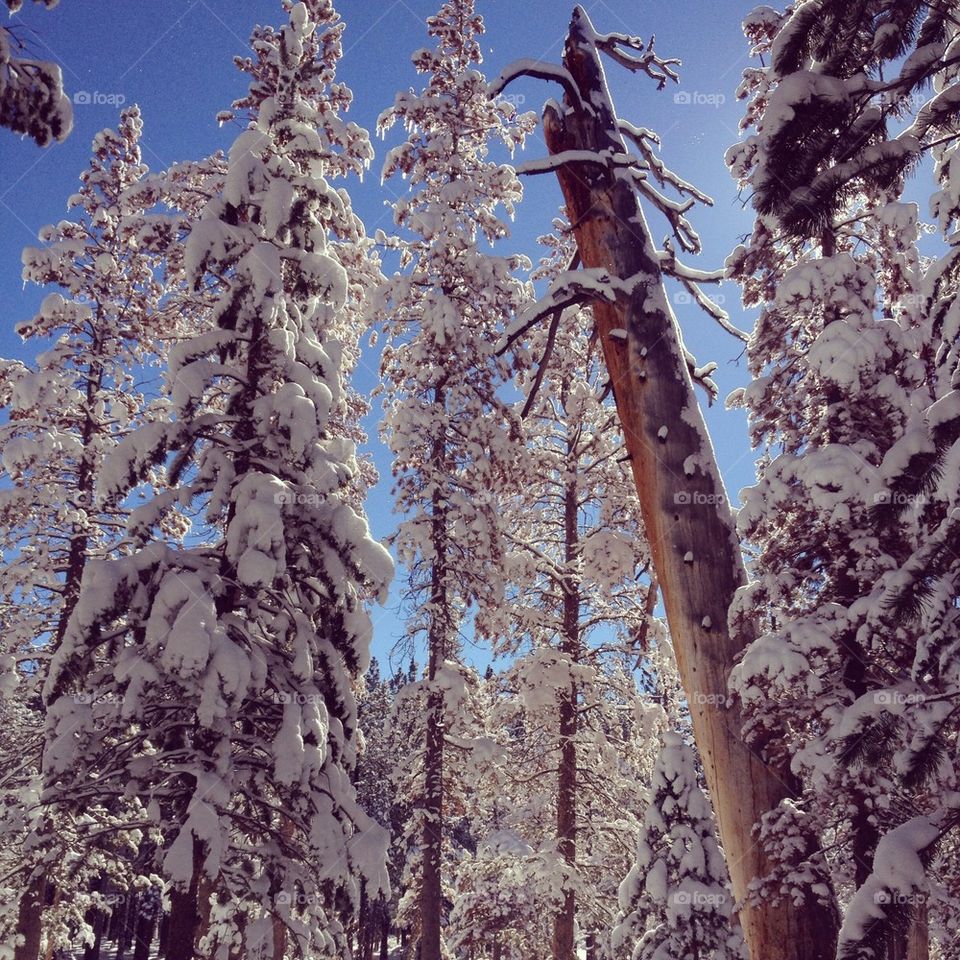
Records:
x=431, y=893
x=146, y=925
x=182, y=924
x=92, y=950
x=163, y=935
x=385, y=934
x=688, y=521
x=113, y=927
x=238, y=947
x=184, y=921
x=48, y=952
x=564, y=922
x=94, y=919
x=591, y=946
x=431, y=889
x=360, y=925
x=78, y=552
x=127, y=923
x=918, y=938
x=279, y=938
x=30, y=919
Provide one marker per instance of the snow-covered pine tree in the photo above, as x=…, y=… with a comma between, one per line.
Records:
x=451, y=437
x=578, y=618
x=101, y=335
x=838, y=106
x=230, y=680
x=69, y=410
x=499, y=896
x=842, y=375
x=32, y=101
x=676, y=900
x=907, y=905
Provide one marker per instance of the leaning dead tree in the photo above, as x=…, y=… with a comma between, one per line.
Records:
x=689, y=524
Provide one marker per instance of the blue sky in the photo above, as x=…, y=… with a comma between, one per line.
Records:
x=175, y=60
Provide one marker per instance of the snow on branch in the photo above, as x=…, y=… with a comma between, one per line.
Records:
x=541, y=71
x=570, y=288
x=899, y=878
x=691, y=280
x=673, y=210
x=605, y=158
x=701, y=376
x=645, y=140
x=644, y=59
x=937, y=113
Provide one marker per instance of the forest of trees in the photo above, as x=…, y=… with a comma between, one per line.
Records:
x=692, y=732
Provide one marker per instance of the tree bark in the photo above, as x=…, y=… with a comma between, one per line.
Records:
x=913, y=943
x=279, y=939
x=688, y=522
x=380, y=934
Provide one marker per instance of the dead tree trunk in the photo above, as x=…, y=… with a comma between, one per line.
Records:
x=688, y=521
